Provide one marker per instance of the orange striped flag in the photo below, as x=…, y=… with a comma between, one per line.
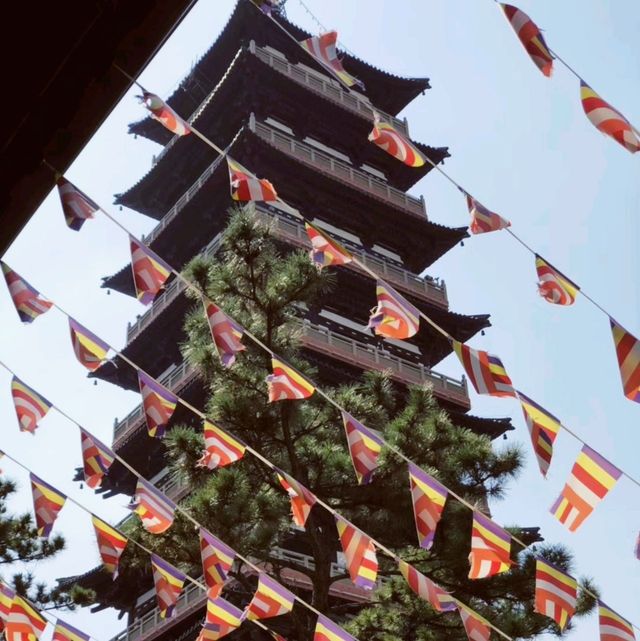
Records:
x=553, y=285
x=111, y=545
x=543, y=429
x=428, y=498
x=97, y=459
x=426, y=589
x=30, y=407
x=395, y=144
x=364, y=447
x=326, y=251
x=24, y=622
x=217, y=559
x=628, y=353
x=360, y=554
x=76, y=205
x=486, y=371
x=246, y=187
x=612, y=626
x=90, y=350
x=28, y=302
x=168, y=582
x=150, y=272
x=65, y=632
x=556, y=593
x=482, y=219
x=158, y=404
x=220, y=447
x=270, y=600
x=156, y=511
x=222, y=619
x=394, y=316
x=226, y=334
x=47, y=502
x=490, y=548
x=323, y=49
x=302, y=500
x=327, y=630
x=164, y=114
x=475, y=627
x=287, y=384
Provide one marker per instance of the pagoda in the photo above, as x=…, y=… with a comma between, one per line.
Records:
x=257, y=94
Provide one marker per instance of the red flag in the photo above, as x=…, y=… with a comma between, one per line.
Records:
x=226, y=334
x=27, y=300
x=76, y=205
x=166, y=116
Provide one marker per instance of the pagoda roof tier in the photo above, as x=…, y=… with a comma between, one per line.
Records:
x=342, y=196
x=386, y=91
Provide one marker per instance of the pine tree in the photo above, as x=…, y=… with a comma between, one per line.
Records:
x=20, y=544
x=266, y=289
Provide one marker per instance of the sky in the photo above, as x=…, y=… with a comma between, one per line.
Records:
x=518, y=141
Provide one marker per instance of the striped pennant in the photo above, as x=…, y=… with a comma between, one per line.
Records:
x=28, y=301
x=607, y=119
x=226, y=334
x=6, y=600
x=245, y=187
x=364, y=447
x=90, y=350
x=111, y=545
x=394, y=316
x=486, y=371
x=65, y=632
x=156, y=511
x=302, y=500
x=428, y=497
x=612, y=626
x=543, y=429
x=217, y=559
x=530, y=37
x=164, y=114
x=556, y=593
x=475, y=627
x=385, y=136
x=24, y=622
x=270, y=600
x=553, y=285
x=360, y=554
x=220, y=448
x=97, y=459
x=482, y=219
x=323, y=50
x=222, y=618
x=325, y=250
x=47, y=502
x=31, y=408
x=287, y=384
x=150, y=272
x=76, y=205
x=490, y=548
x=628, y=353
x=426, y=589
x=168, y=582
x=591, y=479
x=158, y=403
x=327, y=630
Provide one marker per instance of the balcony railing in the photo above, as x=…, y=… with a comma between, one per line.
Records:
x=343, y=171
x=326, y=87
x=176, y=380
x=176, y=287
x=368, y=356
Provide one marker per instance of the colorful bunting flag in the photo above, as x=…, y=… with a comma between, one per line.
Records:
x=65, y=632
x=97, y=459
x=88, y=348
x=226, y=334
x=485, y=370
x=530, y=37
x=222, y=618
x=475, y=627
x=156, y=511
x=325, y=250
x=385, y=136
x=543, y=429
x=76, y=205
x=556, y=593
x=217, y=559
x=31, y=408
x=612, y=626
x=270, y=600
x=168, y=582
x=158, y=403
x=47, y=502
x=287, y=384
x=490, y=548
x=302, y=500
x=482, y=219
x=591, y=479
x=394, y=317
x=111, y=545
x=428, y=497
x=150, y=272
x=360, y=554
x=24, y=622
x=628, y=353
x=164, y=114
x=426, y=589
x=220, y=447
x=6, y=600
x=364, y=447
x=28, y=302
x=607, y=119
x=327, y=630
x=553, y=285
x=246, y=187
x=323, y=50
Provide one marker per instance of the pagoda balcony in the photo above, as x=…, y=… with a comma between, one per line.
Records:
x=343, y=171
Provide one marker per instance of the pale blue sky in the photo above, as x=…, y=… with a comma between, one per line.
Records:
x=519, y=142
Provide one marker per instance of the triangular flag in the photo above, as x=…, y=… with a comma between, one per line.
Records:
x=168, y=582
x=482, y=219
x=426, y=589
x=490, y=548
x=394, y=316
x=428, y=497
x=364, y=447
x=76, y=205
x=97, y=459
x=31, y=408
x=553, y=285
x=628, y=353
x=486, y=371
x=286, y=384
x=302, y=500
x=245, y=187
x=226, y=334
x=325, y=250
x=220, y=447
x=90, y=350
x=556, y=593
x=385, y=136
x=270, y=600
x=217, y=559
x=150, y=272
x=111, y=545
x=165, y=115
x=360, y=554
x=158, y=403
x=156, y=511
x=28, y=302
x=47, y=502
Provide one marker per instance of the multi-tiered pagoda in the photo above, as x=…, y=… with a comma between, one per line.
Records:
x=286, y=118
